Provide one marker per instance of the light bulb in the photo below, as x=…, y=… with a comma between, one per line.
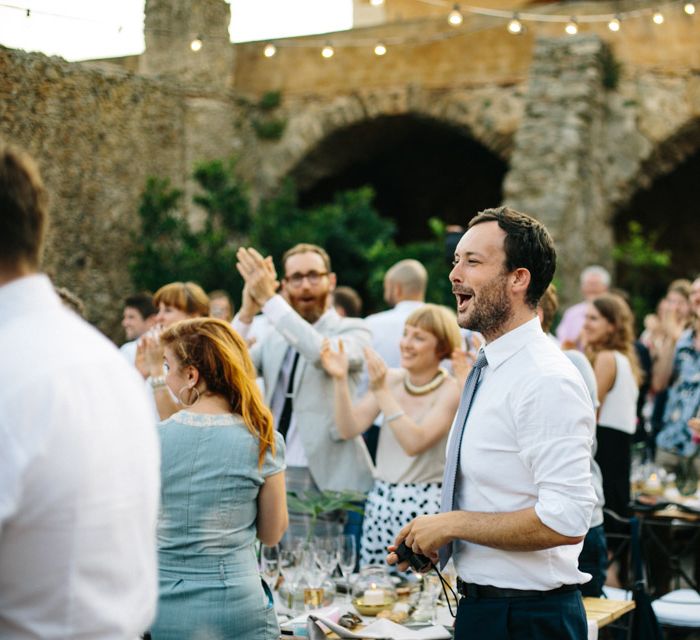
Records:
x=269, y=50
x=515, y=26
x=689, y=8
x=379, y=49
x=376, y=3
x=614, y=24
x=571, y=27
x=196, y=44
x=455, y=18
x=327, y=51
x=658, y=17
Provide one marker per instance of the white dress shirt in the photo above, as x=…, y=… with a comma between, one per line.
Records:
x=527, y=443
x=79, y=477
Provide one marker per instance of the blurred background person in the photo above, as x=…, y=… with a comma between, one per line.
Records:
x=595, y=281
x=138, y=317
x=608, y=334
x=223, y=485
x=220, y=305
x=175, y=301
x=419, y=402
x=347, y=302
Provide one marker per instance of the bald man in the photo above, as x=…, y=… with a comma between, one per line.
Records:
x=404, y=290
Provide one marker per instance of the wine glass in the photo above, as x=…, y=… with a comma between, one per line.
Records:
x=347, y=558
x=269, y=563
x=292, y=570
x=326, y=554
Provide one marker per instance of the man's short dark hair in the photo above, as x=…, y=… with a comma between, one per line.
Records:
x=143, y=303
x=23, y=208
x=527, y=245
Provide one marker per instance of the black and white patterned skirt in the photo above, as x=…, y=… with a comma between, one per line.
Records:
x=389, y=507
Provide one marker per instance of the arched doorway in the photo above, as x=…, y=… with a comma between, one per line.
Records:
x=419, y=168
x=668, y=208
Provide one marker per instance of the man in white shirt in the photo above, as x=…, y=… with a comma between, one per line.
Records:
x=517, y=493
x=138, y=317
x=297, y=389
x=79, y=455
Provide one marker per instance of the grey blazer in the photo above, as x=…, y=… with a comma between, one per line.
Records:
x=335, y=464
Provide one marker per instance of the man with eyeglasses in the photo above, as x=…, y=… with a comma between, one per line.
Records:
x=297, y=389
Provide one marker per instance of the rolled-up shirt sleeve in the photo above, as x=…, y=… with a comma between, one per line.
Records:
x=555, y=431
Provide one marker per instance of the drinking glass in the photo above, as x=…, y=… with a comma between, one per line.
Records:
x=347, y=558
x=269, y=564
x=292, y=570
x=326, y=554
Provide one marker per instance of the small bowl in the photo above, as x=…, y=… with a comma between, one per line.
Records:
x=372, y=609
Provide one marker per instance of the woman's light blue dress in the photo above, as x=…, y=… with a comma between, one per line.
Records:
x=209, y=584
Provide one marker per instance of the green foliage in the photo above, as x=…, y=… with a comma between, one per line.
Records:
x=270, y=100
x=170, y=249
x=315, y=504
x=360, y=241
x=270, y=128
x=641, y=264
x=610, y=67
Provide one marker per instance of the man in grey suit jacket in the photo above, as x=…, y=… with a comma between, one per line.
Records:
x=297, y=386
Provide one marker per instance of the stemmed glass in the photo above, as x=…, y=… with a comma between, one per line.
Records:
x=270, y=564
x=292, y=569
x=347, y=558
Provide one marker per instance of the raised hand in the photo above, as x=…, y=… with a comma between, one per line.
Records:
x=376, y=369
x=150, y=352
x=258, y=273
x=335, y=363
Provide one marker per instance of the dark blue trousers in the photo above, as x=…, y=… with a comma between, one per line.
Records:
x=559, y=616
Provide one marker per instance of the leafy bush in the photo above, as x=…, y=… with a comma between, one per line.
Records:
x=270, y=128
x=359, y=240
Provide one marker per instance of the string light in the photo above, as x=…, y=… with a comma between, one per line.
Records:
x=270, y=50
x=455, y=18
x=658, y=17
x=614, y=24
x=196, y=44
x=689, y=8
x=515, y=26
x=379, y=49
x=327, y=51
x=571, y=27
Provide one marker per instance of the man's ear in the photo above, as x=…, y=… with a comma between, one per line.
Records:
x=332, y=280
x=520, y=281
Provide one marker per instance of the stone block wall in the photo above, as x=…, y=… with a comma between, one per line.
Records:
x=97, y=135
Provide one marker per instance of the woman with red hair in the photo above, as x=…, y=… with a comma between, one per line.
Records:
x=223, y=485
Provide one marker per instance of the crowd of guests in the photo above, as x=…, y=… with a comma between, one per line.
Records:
x=295, y=392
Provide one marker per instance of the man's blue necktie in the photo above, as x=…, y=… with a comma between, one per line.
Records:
x=452, y=463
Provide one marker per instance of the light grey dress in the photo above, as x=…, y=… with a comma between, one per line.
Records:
x=209, y=584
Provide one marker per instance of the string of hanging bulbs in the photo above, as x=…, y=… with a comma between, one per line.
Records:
x=515, y=24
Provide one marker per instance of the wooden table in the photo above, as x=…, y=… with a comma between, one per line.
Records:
x=604, y=611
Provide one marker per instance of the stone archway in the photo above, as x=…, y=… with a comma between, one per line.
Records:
x=665, y=203
x=419, y=168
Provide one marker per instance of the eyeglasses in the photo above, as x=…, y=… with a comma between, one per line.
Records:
x=314, y=277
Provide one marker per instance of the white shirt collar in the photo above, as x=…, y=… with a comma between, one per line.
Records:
x=507, y=345
x=29, y=293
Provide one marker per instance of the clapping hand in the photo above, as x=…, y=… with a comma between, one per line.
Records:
x=258, y=273
x=335, y=363
x=376, y=369
x=149, y=353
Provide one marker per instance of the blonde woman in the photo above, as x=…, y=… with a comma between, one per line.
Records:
x=418, y=403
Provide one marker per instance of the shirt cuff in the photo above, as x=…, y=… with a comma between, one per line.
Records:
x=243, y=328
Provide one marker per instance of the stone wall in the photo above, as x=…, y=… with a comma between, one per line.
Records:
x=97, y=135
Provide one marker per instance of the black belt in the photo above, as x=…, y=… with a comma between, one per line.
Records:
x=470, y=590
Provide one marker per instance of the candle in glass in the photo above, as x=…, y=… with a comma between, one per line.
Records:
x=373, y=596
